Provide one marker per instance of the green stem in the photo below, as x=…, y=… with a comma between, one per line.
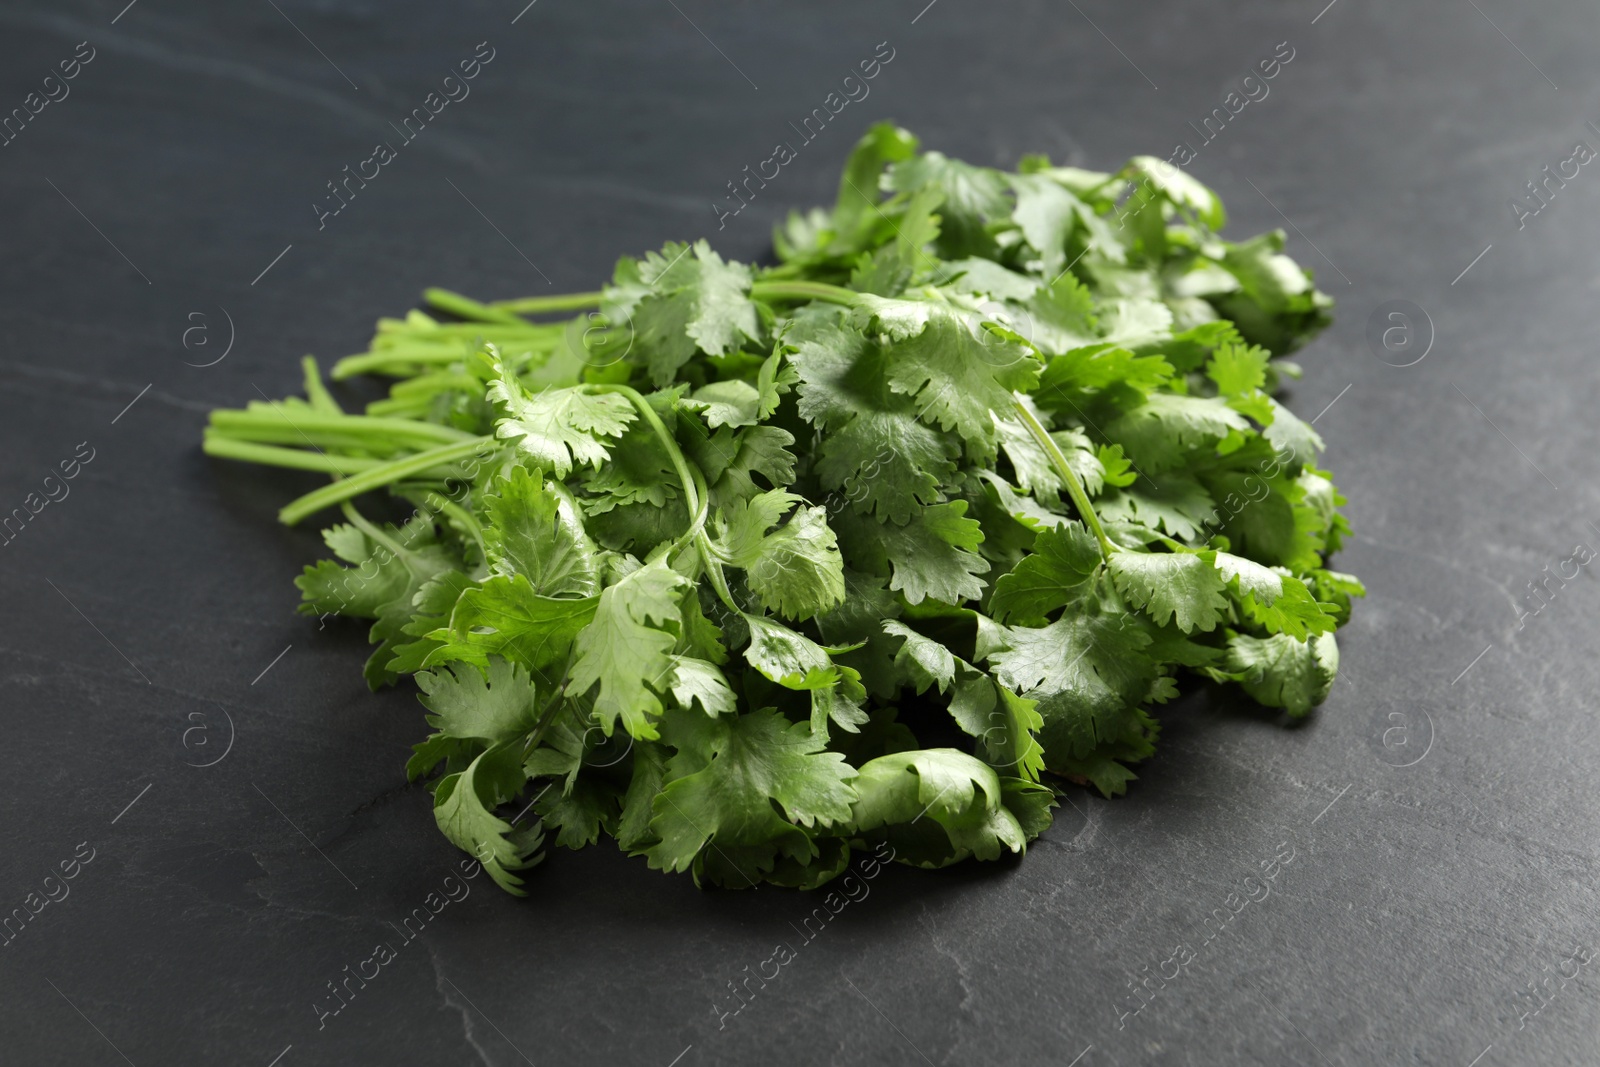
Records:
x=359, y=521
x=783, y=270
x=833, y=294
x=1058, y=460
x=719, y=581
x=533, y=305
x=444, y=505
x=261, y=426
x=648, y=413
x=401, y=407
x=317, y=393
x=468, y=308
x=292, y=458
x=375, y=477
x=402, y=332
x=400, y=360
x=547, y=714
x=697, y=518
x=428, y=385
x=693, y=490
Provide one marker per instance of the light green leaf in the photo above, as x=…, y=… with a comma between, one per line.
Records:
x=559, y=428
x=465, y=704
x=537, y=532
x=794, y=570
x=1179, y=586
x=626, y=649
x=463, y=806
x=785, y=657
x=760, y=765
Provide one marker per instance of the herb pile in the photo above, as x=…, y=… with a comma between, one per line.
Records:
x=747, y=567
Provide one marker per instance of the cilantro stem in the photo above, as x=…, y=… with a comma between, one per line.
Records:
x=690, y=478
x=400, y=360
x=697, y=520
x=399, y=331
x=378, y=476
x=438, y=382
x=719, y=581
x=467, y=308
x=797, y=290
x=443, y=505
x=317, y=394
x=359, y=521
x=1058, y=460
x=401, y=406
x=547, y=714
x=674, y=453
x=259, y=425
x=274, y=456
x=533, y=305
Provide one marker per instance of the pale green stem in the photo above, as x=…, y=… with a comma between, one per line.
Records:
x=798, y=290
x=376, y=477
x=1058, y=460
x=533, y=305
x=359, y=521
x=692, y=489
x=293, y=458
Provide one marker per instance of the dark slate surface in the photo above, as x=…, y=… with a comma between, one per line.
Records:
x=1437, y=810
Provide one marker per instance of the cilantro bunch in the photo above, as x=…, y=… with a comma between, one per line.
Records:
x=747, y=567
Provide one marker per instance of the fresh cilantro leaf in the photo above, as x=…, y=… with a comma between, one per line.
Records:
x=682, y=300
x=960, y=797
x=1282, y=672
x=1238, y=370
x=626, y=649
x=1181, y=189
x=730, y=403
x=973, y=197
x=956, y=377
x=794, y=570
x=1048, y=215
x=934, y=555
x=559, y=428
x=786, y=657
x=1061, y=316
x=855, y=211
x=1171, y=586
x=1177, y=504
x=463, y=806
x=538, y=533
x=695, y=681
x=391, y=566
x=767, y=783
x=505, y=617
x=496, y=707
x=1058, y=572
x=875, y=450
x=1157, y=434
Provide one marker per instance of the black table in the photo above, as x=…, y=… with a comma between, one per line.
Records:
x=1430, y=829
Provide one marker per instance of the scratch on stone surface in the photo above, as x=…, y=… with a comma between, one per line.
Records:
x=244, y=73
x=261, y=888
x=962, y=977
x=105, y=385
x=74, y=671
x=379, y=800
x=440, y=982
x=1443, y=561
x=1085, y=837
